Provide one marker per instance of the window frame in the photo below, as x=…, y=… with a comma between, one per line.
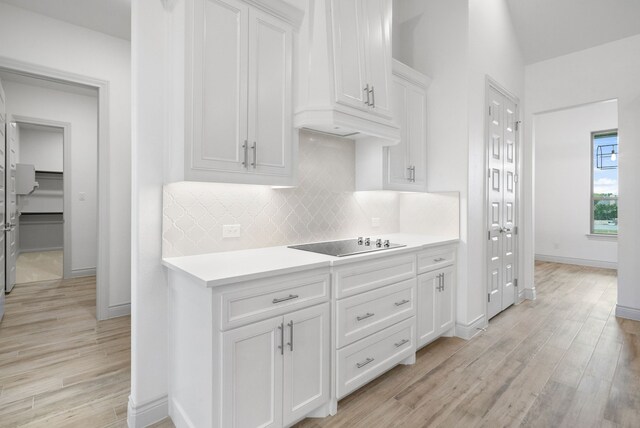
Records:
x=592, y=155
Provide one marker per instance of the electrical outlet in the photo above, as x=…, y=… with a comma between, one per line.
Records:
x=231, y=231
x=375, y=222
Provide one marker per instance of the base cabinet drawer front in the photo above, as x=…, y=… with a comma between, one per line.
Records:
x=363, y=361
x=435, y=259
x=367, y=313
x=272, y=298
x=366, y=276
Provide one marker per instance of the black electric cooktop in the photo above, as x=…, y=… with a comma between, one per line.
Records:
x=347, y=247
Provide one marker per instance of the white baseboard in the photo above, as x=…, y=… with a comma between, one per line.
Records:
x=39, y=250
x=119, y=310
x=628, y=313
x=76, y=273
x=467, y=331
x=530, y=293
x=579, y=262
x=179, y=417
x=143, y=415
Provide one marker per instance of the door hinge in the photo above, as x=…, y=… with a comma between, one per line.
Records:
x=518, y=124
x=489, y=173
x=488, y=297
x=515, y=178
x=515, y=230
x=515, y=282
x=489, y=110
x=489, y=235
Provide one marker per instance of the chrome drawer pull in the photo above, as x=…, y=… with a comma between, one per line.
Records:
x=364, y=317
x=439, y=259
x=402, y=342
x=365, y=362
x=284, y=299
x=403, y=302
x=281, y=347
x=290, y=324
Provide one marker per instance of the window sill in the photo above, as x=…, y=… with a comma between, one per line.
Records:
x=602, y=237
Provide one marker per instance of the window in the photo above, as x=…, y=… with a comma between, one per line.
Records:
x=604, y=183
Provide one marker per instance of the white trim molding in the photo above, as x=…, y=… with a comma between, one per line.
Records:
x=75, y=273
x=530, y=293
x=143, y=415
x=575, y=261
x=116, y=311
x=467, y=331
x=628, y=313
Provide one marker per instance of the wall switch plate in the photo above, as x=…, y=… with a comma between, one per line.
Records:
x=375, y=222
x=231, y=231
x=82, y=196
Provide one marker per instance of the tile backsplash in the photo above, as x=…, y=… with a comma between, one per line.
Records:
x=323, y=206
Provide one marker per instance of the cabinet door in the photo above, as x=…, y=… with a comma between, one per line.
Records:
x=218, y=74
x=445, y=301
x=416, y=131
x=397, y=165
x=270, y=99
x=378, y=55
x=252, y=375
x=348, y=53
x=426, y=308
x=306, y=362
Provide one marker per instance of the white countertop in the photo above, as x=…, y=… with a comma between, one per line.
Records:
x=216, y=269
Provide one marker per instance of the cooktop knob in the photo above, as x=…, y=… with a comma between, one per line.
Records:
x=379, y=243
x=360, y=239
x=367, y=241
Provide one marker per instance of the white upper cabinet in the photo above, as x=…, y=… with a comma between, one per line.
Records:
x=239, y=92
x=402, y=166
x=345, y=70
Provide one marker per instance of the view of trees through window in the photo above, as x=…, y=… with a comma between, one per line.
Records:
x=604, y=186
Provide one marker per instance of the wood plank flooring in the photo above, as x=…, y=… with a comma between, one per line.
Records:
x=563, y=360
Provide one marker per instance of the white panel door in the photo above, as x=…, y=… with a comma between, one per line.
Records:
x=501, y=204
x=252, y=379
x=270, y=82
x=3, y=122
x=219, y=84
x=11, y=202
x=445, y=300
x=306, y=361
x=378, y=55
x=348, y=53
x=426, y=307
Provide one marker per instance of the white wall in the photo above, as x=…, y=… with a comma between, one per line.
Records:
x=563, y=185
x=609, y=71
x=458, y=43
x=82, y=112
x=44, y=148
x=40, y=40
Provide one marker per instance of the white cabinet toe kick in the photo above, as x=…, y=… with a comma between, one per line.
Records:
x=270, y=352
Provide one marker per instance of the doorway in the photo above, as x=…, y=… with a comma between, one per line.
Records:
x=502, y=147
x=50, y=243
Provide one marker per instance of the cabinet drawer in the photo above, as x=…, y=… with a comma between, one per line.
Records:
x=272, y=298
x=367, y=313
x=365, y=360
x=435, y=259
x=357, y=278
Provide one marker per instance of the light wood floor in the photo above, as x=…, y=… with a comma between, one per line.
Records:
x=562, y=360
x=39, y=266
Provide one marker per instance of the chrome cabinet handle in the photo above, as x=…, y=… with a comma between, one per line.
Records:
x=402, y=302
x=365, y=316
x=366, y=91
x=365, y=362
x=281, y=347
x=290, y=335
x=402, y=342
x=255, y=155
x=284, y=299
x=373, y=96
x=442, y=281
x=245, y=160
x=439, y=259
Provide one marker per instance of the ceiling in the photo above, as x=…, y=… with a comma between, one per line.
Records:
x=551, y=28
x=112, y=17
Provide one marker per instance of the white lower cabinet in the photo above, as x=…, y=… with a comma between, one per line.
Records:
x=435, y=315
x=277, y=371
